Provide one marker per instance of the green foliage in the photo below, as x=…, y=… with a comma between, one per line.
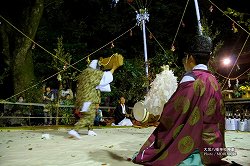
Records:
x=61, y=61
x=208, y=30
x=130, y=81
x=214, y=57
x=238, y=92
x=34, y=95
x=164, y=58
x=88, y=25
x=243, y=17
x=241, y=89
x=66, y=113
x=98, y=23
x=67, y=116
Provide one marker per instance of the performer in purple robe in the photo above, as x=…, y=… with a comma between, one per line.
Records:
x=191, y=128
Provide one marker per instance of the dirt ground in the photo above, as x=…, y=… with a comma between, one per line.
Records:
x=111, y=147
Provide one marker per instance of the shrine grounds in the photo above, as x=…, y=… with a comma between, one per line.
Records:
x=113, y=146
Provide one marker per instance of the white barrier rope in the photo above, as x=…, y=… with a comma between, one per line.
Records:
x=43, y=105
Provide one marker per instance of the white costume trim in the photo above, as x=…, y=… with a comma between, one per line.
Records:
x=93, y=64
x=103, y=86
x=124, y=122
x=85, y=106
x=74, y=134
x=188, y=78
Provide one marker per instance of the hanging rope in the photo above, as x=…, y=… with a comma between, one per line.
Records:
x=71, y=65
x=140, y=5
x=33, y=86
x=229, y=17
x=235, y=78
x=37, y=43
x=228, y=77
x=160, y=44
x=105, y=64
x=180, y=23
x=106, y=44
x=236, y=61
x=156, y=40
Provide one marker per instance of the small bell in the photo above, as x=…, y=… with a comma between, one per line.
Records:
x=112, y=45
x=150, y=35
x=237, y=82
x=33, y=46
x=234, y=29
x=183, y=24
x=211, y=8
x=130, y=32
x=229, y=83
x=173, y=48
x=88, y=60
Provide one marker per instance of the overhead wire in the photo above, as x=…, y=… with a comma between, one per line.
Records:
x=229, y=17
x=152, y=33
x=180, y=23
x=139, y=5
x=37, y=43
x=33, y=86
x=68, y=65
x=106, y=44
x=159, y=43
x=236, y=60
x=233, y=78
x=235, y=22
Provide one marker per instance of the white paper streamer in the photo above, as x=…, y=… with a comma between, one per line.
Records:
x=162, y=88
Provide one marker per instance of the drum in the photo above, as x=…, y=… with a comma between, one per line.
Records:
x=141, y=114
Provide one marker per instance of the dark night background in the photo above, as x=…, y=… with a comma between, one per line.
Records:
x=87, y=25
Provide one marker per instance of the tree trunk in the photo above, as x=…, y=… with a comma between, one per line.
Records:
x=22, y=66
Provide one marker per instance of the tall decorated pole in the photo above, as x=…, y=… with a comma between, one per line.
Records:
x=198, y=16
x=141, y=18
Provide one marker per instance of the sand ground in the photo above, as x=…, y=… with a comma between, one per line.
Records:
x=111, y=147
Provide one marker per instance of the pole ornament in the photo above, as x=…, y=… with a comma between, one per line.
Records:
x=142, y=16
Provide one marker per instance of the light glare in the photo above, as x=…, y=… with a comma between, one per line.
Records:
x=226, y=61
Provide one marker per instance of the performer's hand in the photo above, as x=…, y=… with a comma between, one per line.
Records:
x=115, y=65
x=114, y=68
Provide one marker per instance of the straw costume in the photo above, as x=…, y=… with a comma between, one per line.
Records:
x=91, y=82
